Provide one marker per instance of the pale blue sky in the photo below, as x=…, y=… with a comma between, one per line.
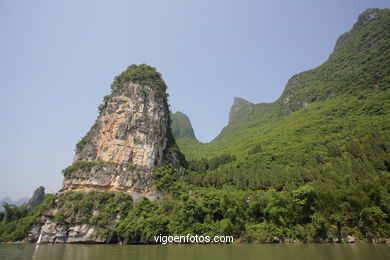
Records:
x=58, y=59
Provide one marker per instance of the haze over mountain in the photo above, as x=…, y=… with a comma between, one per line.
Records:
x=348, y=93
x=206, y=57
x=313, y=166
x=10, y=201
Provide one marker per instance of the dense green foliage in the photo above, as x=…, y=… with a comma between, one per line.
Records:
x=103, y=209
x=351, y=88
x=142, y=74
x=204, y=164
x=306, y=206
x=312, y=166
x=16, y=221
x=329, y=131
x=315, y=211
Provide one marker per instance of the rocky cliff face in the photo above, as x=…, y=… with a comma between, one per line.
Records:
x=80, y=217
x=129, y=139
x=46, y=230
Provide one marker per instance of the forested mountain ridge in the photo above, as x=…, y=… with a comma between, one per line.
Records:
x=312, y=166
x=324, y=144
x=351, y=85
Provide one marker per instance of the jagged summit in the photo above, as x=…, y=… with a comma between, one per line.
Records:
x=240, y=107
x=357, y=63
x=130, y=137
x=307, y=158
x=181, y=126
x=357, y=68
x=364, y=18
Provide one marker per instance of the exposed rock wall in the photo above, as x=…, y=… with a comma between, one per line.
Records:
x=52, y=232
x=129, y=139
x=112, y=177
x=131, y=128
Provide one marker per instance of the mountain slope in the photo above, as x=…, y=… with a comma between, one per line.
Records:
x=181, y=126
x=312, y=166
x=316, y=162
x=345, y=97
x=184, y=134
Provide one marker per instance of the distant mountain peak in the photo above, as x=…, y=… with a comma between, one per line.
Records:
x=10, y=201
x=181, y=126
x=357, y=67
x=368, y=15
x=364, y=18
x=240, y=107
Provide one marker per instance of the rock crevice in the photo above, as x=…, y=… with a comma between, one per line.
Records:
x=130, y=138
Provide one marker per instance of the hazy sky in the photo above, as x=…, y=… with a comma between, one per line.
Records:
x=58, y=59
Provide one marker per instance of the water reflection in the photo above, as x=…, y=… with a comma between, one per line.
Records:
x=190, y=252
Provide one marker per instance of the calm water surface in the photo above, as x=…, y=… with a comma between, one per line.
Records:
x=191, y=252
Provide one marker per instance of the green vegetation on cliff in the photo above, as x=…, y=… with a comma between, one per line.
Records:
x=101, y=209
x=86, y=166
x=326, y=210
x=142, y=74
x=345, y=97
x=181, y=126
x=312, y=166
x=329, y=130
x=15, y=222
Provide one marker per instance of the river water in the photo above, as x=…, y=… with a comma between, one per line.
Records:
x=191, y=252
